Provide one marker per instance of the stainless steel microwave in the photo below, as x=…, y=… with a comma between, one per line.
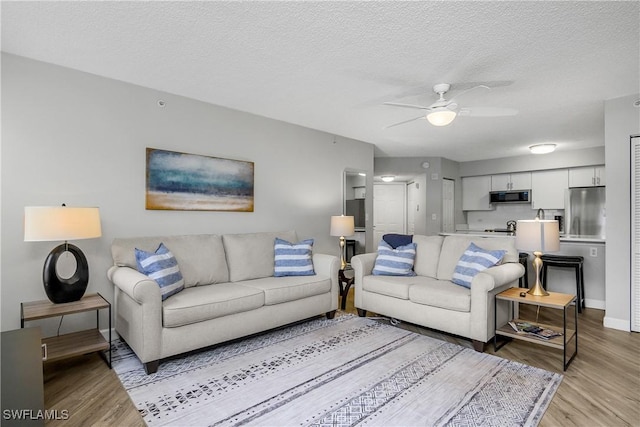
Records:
x=520, y=196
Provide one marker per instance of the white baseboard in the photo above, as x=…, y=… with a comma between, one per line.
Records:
x=594, y=303
x=105, y=334
x=620, y=324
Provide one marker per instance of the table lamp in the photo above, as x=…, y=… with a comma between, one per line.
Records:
x=538, y=236
x=342, y=226
x=55, y=223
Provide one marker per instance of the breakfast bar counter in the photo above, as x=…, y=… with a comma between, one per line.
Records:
x=575, y=238
x=591, y=248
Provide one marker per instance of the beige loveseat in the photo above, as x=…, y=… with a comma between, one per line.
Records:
x=230, y=292
x=430, y=299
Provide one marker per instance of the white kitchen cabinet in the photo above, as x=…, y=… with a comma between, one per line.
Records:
x=548, y=188
x=591, y=176
x=475, y=193
x=511, y=181
x=360, y=192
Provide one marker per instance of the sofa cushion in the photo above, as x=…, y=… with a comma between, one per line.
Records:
x=441, y=293
x=197, y=304
x=283, y=289
x=392, y=286
x=454, y=246
x=474, y=260
x=395, y=262
x=427, y=254
x=201, y=257
x=162, y=267
x=293, y=259
x=251, y=255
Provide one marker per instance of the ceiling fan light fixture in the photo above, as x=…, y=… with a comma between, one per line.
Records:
x=441, y=116
x=542, y=148
x=388, y=178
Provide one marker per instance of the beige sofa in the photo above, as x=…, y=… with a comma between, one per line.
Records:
x=230, y=292
x=430, y=299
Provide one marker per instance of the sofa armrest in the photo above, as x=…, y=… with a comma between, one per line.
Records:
x=497, y=276
x=328, y=265
x=362, y=266
x=138, y=312
x=484, y=286
x=136, y=285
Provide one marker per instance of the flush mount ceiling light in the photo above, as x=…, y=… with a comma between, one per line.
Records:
x=441, y=116
x=388, y=178
x=542, y=148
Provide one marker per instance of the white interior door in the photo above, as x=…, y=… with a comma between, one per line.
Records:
x=448, y=198
x=635, y=234
x=389, y=202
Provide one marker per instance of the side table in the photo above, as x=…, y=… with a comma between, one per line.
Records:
x=554, y=300
x=76, y=343
x=345, y=281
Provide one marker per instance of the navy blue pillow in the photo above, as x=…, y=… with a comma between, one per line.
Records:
x=396, y=240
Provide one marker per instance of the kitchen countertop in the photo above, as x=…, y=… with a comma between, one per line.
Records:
x=570, y=238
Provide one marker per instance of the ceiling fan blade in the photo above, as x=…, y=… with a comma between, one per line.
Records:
x=397, y=104
x=487, y=112
x=406, y=121
x=469, y=90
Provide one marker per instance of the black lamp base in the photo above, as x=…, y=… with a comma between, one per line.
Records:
x=61, y=290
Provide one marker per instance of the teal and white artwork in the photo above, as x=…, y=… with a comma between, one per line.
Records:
x=180, y=181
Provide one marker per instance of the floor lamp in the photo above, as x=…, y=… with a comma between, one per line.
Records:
x=61, y=223
x=342, y=226
x=538, y=236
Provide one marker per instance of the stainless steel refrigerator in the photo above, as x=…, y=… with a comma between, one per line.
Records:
x=585, y=212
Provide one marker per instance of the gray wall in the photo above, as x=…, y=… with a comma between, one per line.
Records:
x=77, y=138
x=621, y=121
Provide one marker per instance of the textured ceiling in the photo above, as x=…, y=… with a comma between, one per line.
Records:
x=331, y=65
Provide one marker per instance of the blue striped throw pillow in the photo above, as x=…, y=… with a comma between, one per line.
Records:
x=293, y=259
x=162, y=267
x=474, y=260
x=395, y=262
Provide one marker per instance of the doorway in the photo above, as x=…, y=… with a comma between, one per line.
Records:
x=635, y=233
x=355, y=204
x=389, y=209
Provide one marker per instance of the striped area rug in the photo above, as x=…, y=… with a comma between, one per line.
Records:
x=341, y=372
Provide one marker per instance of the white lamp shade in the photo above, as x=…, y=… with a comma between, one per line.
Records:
x=441, y=116
x=538, y=235
x=55, y=223
x=342, y=226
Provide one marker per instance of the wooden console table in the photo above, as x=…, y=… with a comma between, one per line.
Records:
x=76, y=343
x=554, y=300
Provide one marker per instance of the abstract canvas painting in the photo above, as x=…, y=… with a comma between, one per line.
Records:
x=180, y=181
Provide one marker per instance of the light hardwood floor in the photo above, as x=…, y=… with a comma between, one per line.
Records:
x=600, y=388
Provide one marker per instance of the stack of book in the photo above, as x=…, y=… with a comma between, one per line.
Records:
x=533, y=330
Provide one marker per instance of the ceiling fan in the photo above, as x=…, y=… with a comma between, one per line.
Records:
x=443, y=111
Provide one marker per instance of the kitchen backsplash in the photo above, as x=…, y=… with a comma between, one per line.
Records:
x=497, y=218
